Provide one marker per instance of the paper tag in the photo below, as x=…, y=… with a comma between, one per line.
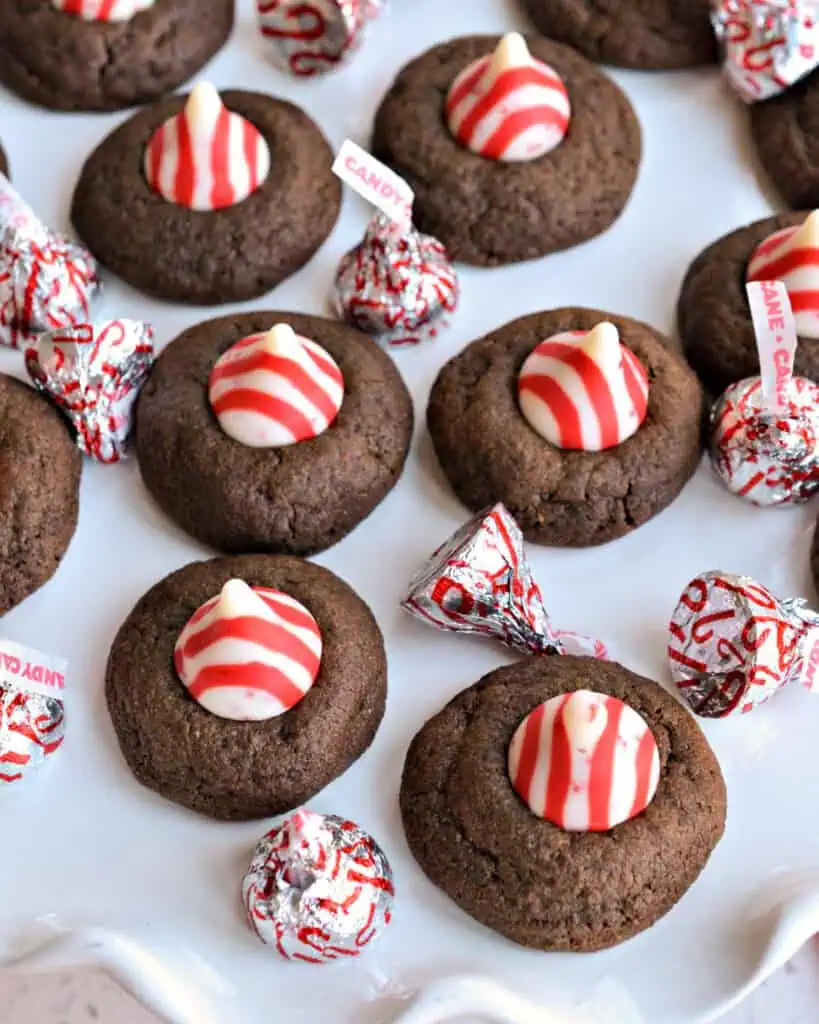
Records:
x=26, y=669
x=776, y=340
x=810, y=664
x=375, y=182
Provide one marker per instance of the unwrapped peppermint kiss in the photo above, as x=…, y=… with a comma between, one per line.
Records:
x=276, y=389
x=769, y=44
x=397, y=284
x=732, y=644
x=509, y=106
x=206, y=158
x=319, y=889
x=309, y=37
x=584, y=390
x=585, y=762
x=249, y=654
x=792, y=256
x=103, y=10
x=480, y=582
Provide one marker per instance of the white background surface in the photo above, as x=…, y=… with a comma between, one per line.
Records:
x=85, y=842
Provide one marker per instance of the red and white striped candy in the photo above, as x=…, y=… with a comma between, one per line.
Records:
x=103, y=10
x=275, y=389
x=249, y=654
x=585, y=762
x=584, y=390
x=792, y=256
x=509, y=106
x=206, y=158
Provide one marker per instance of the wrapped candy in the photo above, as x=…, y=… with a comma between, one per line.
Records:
x=480, y=582
x=309, y=37
x=396, y=284
x=768, y=44
x=319, y=888
x=31, y=709
x=46, y=282
x=765, y=430
x=93, y=374
x=733, y=645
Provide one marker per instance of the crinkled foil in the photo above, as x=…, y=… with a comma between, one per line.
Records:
x=319, y=888
x=31, y=728
x=397, y=284
x=768, y=44
x=733, y=645
x=480, y=582
x=46, y=282
x=93, y=374
x=309, y=37
x=767, y=458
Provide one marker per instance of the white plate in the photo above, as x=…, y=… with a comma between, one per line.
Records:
x=87, y=843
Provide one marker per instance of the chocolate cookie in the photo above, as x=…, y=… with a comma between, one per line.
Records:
x=298, y=499
x=525, y=877
x=714, y=318
x=648, y=34
x=238, y=770
x=62, y=61
x=487, y=212
x=4, y=164
x=490, y=453
x=208, y=257
x=786, y=133
x=40, y=466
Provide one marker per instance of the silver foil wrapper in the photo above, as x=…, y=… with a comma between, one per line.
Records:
x=319, y=888
x=46, y=282
x=767, y=458
x=480, y=582
x=768, y=45
x=733, y=645
x=93, y=374
x=310, y=37
x=32, y=727
x=397, y=284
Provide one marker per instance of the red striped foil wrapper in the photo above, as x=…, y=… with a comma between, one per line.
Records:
x=733, y=645
x=479, y=581
x=93, y=374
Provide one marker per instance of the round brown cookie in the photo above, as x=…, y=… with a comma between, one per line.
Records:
x=298, y=499
x=490, y=453
x=238, y=770
x=40, y=467
x=786, y=133
x=645, y=34
x=62, y=61
x=227, y=255
x=714, y=319
x=487, y=212
x=525, y=877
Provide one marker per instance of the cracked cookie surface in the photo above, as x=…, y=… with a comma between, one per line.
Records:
x=241, y=770
x=715, y=323
x=525, y=877
x=491, y=213
x=785, y=130
x=490, y=453
x=296, y=500
x=228, y=255
x=39, y=501
x=646, y=34
x=61, y=61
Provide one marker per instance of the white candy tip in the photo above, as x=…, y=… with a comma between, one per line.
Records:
x=602, y=344
x=234, y=597
x=511, y=52
x=585, y=715
x=280, y=339
x=810, y=228
x=204, y=102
